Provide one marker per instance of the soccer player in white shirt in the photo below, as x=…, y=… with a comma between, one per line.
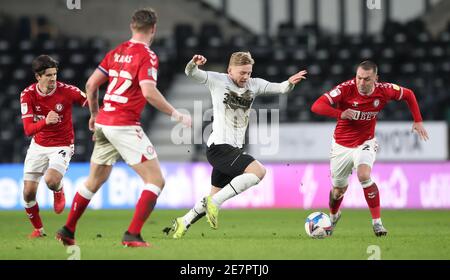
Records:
x=234, y=171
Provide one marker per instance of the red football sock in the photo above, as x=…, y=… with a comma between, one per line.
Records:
x=33, y=215
x=144, y=208
x=79, y=204
x=373, y=200
x=334, y=203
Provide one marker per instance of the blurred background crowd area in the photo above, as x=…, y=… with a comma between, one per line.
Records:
x=413, y=52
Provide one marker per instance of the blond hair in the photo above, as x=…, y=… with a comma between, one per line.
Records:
x=241, y=58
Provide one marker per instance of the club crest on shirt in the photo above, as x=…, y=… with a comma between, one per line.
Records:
x=376, y=102
x=59, y=107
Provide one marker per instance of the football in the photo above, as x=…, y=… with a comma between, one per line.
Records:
x=318, y=225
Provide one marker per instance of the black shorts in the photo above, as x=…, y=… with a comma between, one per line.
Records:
x=227, y=162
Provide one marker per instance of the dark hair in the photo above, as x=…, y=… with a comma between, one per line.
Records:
x=143, y=19
x=369, y=65
x=42, y=63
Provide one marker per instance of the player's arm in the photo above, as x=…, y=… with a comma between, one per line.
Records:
x=324, y=107
x=31, y=128
x=157, y=100
x=286, y=86
x=192, y=70
x=410, y=98
x=94, y=82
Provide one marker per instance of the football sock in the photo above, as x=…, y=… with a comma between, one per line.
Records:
x=32, y=209
x=372, y=196
x=144, y=208
x=334, y=203
x=195, y=214
x=79, y=204
x=236, y=186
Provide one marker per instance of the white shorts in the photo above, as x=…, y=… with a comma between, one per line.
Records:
x=39, y=158
x=344, y=160
x=128, y=142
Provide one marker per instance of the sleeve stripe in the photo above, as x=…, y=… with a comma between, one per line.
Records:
x=27, y=116
x=329, y=98
x=103, y=70
x=147, y=82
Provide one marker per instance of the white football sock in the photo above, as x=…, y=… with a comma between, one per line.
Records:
x=376, y=221
x=194, y=213
x=236, y=186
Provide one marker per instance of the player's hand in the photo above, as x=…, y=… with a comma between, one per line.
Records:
x=52, y=118
x=92, y=122
x=182, y=118
x=349, y=114
x=420, y=130
x=199, y=59
x=296, y=78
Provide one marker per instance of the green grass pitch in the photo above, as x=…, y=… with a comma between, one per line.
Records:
x=242, y=235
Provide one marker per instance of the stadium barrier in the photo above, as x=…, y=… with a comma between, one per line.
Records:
x=402, y=185
x=312, y=142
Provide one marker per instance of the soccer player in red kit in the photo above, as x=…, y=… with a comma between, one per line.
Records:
x=357, y=103
x=131, y=70
x=46, y=108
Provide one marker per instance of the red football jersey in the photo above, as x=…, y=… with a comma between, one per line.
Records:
x=127, y=66
x=352, y=133
x=35, y=104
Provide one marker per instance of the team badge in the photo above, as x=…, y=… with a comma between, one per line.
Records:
x=59, y=107
x=24, y=108
x=376, y=103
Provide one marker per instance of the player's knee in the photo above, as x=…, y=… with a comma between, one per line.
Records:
x=261, y=172
x=363, y=176
x=29, y=195
x=52, y=182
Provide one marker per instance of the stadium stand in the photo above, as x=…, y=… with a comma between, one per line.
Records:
x=407, y=54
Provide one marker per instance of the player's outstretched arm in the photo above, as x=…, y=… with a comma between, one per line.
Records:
x=157, y=100
x=410, y=98
x=94, y=82
x=192, y=70
x=323, y=107
x=286, y=86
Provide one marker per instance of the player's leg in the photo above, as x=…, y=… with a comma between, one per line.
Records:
x=150, y=172
x=103, y=157
x=252, y=175
x=341, y=166
x=181, y=224
x=36, y=161
x=244, y=170
x=59, y=159
x=138, y=152
x=365, y=158
x=31, y=182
